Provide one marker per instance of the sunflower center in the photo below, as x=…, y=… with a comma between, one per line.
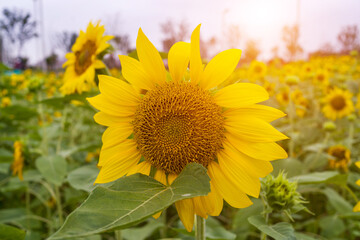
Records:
x=83, y=57
x=321, y=77
x=339, y=154
x=338, y=102
x=258, y=69
x=178, y=123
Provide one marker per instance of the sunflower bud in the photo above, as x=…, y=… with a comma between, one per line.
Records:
x=329, y=126
x=281, y=194
x=351, y=117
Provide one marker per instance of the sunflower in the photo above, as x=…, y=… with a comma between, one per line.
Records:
x=338, y=104
x=321, y=78
x=283, y=97
x=340, y=157
x=18, y=164
x=257, y=70
x=357, y=206
x=84, y=59
x=178, y=121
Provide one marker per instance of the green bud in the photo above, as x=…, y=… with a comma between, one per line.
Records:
x=329, y=126
x=292, y=80
x=351, y=117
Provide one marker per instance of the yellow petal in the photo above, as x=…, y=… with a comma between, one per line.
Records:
x=127, y=147
x=110, y=120
x=185, y=209
x=199, y=208
x=172, y=177
x=358, y=182
x=220, y=68
x=114, y=135
x=134, y=73
x=196, y=68
x=150, y=59
x=117, y=167
x=253, y=130
x=240, y=95
x=118, y=91
x=213, y=202
x=106, y=105
x=239, y=176
x=357, y=207
x=231, y=194
x=99, y=64
x=238, y=160
x=357, y=164
x=160, y=176
x=157, y=215
x=264, y=151
x=178, y=60
x=263, y=112
x=143, y=168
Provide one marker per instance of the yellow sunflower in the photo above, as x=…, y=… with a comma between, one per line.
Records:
x=18, y=163
x=338, y=104
x=340, y=157
x=321, y=78
x=83, y=60
x=175, y=122
x=357, y=206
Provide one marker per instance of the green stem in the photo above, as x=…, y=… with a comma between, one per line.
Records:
x=63, y=121
x=199, y=228
x=266, y=215
x=318, y=153
x=351, y=193
x=351, y=136
x=291, y=113
x=118, y=235
x=58, y=205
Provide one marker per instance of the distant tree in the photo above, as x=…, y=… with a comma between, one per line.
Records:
x=349, y=38
x=173, y=33
x=251, y=51
x=122, y=43
x=325, y=50
x=275, y=52
x=232, y=36
x=51, y=61
x=65, y=40
x=290, y=36
x=18, y=27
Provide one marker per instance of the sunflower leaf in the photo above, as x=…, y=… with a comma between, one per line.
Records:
x=130, y=200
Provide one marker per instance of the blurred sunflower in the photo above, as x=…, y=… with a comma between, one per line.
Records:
x=283, y=96
x=338, y=104
x=84, y=59
x=340, y=157
x=18, y=163
x=178, y=121
x=257, y=70
x=321, y=78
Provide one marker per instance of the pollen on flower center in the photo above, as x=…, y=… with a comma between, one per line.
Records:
x=83, y=57
x=178, y=123
x=338, y=102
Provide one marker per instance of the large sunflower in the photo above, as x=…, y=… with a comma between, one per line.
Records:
x=83, y=60
x=338, y=104
x=175, y=122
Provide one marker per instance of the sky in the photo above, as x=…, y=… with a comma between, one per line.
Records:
x=261, y=20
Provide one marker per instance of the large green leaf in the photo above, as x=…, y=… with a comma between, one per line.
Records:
x=141, y=233
x=279, y=231
x=321, y=177
x=52, y=168
x=337, y=202
x=83, y=178
x=331, y=226
x=130, y=200
x=11, y=233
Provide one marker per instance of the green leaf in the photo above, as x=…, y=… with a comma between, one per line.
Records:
x=331, y=226
x=83, y=178
x=11, y=233
x=130, y=200
x=279, y=231
x=6, y=155
x=321, y=177
x=52, y=168
x=12, y=214
x=337, y=202
x=141, y=233
x=19, y=112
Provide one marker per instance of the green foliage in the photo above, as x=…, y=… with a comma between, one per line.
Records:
x=11, y=233
x=52, y=168
x=130, y=200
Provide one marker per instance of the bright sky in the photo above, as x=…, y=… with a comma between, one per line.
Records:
x=261, y=20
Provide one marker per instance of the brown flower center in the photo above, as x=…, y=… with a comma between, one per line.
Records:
x=178, y=123
x=84, y=57
x=338, y=102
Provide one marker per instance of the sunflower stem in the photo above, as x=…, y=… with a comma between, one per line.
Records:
x=199, y=228
x=118, y=235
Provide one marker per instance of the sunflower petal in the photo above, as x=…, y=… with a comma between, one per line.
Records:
x=143, y=168
x=118, y=91
x=266, y=151
x=231, y=194
x=104, y=104
x=220, y=68
x=263, y=112
x=199, y=208
x=179, y=56
x=110, y=120
x=150, y=59
x=127, y=147
x=185, y=209
x=253, y=130
x=240, y=95
x=116, y=134
x=196, y=67
x=134, y=73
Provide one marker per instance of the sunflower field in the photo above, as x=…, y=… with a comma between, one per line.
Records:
x=175, y=146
